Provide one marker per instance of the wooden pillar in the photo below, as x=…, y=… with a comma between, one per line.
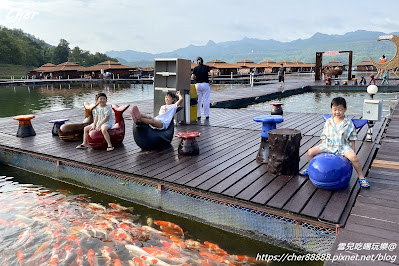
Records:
x=350, y=66
x=319, y=64
x=284, y=146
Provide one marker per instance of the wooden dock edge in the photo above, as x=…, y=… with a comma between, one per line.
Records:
x=258, y=222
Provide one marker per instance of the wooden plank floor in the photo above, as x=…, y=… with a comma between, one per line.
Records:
x=375, y=216
x=225, y=167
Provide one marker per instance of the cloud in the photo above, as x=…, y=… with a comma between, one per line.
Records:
x=159, y=26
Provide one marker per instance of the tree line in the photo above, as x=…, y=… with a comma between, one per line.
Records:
x=20, y=48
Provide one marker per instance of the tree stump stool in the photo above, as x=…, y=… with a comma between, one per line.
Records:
x=57, y=124
x=268, y=123
x=284, y=146
x=188, y=144
x=25, y=128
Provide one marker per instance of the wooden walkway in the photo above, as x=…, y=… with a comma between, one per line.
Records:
x=375, y=216
x=225, y=168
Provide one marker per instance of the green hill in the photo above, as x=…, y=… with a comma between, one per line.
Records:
x=21, y=52
x=18, y=71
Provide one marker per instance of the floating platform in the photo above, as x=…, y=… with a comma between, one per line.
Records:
x=223, y=186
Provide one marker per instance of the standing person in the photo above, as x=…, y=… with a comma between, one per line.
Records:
x=339, y=137
x=104, y=120
x=281, y=75
x=200, y=75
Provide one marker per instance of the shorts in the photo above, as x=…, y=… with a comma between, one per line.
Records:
x=280, y=78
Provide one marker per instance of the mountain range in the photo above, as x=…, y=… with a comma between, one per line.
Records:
x=363, y=44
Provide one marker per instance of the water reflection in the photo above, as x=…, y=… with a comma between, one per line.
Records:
x=32, y=99
x=319, y=102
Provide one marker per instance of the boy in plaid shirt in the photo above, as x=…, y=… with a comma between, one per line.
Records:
x=339, y=137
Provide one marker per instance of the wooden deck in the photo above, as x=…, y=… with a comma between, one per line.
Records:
x=375, y=215
x=225, y=168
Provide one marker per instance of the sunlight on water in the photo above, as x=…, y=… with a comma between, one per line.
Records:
x=320, y=102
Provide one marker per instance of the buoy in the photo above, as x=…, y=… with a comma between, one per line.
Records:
x=330, y=171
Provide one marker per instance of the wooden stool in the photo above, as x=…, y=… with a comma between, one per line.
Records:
x=57, y=124
x=25, y=128
x=276, y=108
x=268, y=123
x=188, y=144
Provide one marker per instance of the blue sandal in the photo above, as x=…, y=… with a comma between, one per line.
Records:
x=304, y=172
x=363, y=183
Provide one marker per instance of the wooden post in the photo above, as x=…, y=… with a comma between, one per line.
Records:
x=284, y=146
x=318, y=66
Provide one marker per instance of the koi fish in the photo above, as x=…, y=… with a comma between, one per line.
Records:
x=215, y=248
x=91, y=257
x=118, y=262
x=106, y=255
x=169, y=224
x=136, y=262
x=243, y=258
x=79, y=258
x=68, y=251
x=22, y=238
x=137, y=251
x=96, y=206
x=178, y=241
x=165, y=256
x=118, y=207
x=57, y=225
x=5, y=223
x=41, y=249
x=152, y=260
x=53, y=260
x=74, y=238
x=20, y=256
x=194, y=244
x=214, y=257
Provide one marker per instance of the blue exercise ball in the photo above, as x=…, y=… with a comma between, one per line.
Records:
x=330, y=171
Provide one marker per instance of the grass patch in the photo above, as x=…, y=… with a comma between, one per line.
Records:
x=18, y=71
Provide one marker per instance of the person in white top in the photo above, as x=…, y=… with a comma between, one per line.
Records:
x=166, y=112
x=104, y=120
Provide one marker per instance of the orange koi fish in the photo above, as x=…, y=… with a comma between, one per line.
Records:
x=169, y=224
x=214, y=257
x=57, y=225
x=20, y=256
x=91, y=257
x=4, y=222
x=53, y=260
x=178, y=241
x=41, y=249
x=74, y=238
x=118, y=207
x=153, y=261
x=243, y=258
x=118, y=262
x=136, y=262
x=18, y=223
x=79, y=258
x=215, y=248
x=106, y=255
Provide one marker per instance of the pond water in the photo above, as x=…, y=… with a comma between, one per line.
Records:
x=320, y=102
x=64, y=224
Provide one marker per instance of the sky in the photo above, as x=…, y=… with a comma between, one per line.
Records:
x=156, y=26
